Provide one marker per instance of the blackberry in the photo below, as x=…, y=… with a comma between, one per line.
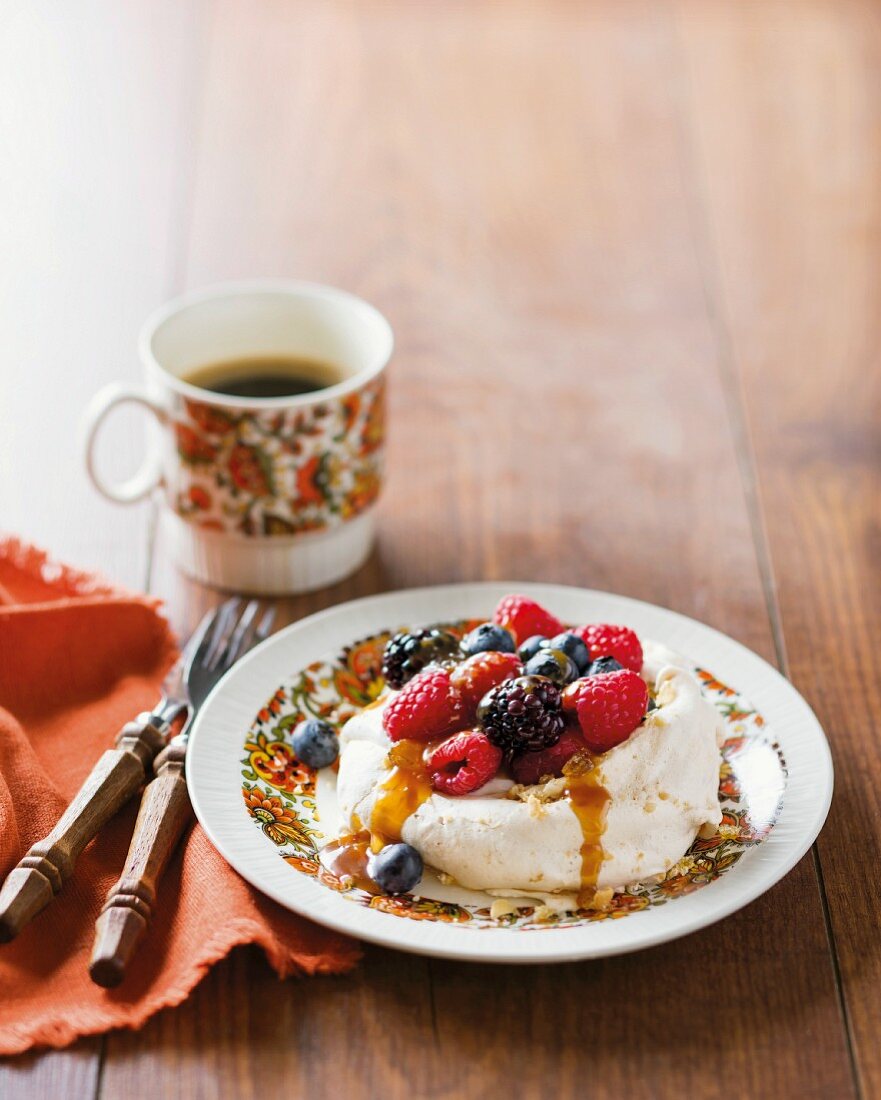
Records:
x=522, y=715
x=410, y=651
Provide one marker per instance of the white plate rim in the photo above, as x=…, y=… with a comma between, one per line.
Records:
x=214, y=763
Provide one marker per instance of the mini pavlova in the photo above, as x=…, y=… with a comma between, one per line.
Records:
x=526, y=760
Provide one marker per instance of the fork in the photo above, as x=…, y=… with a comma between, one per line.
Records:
x=116, y=776
x=165, y=812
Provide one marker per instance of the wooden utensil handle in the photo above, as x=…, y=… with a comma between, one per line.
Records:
x=165, y=812
x=48, y=864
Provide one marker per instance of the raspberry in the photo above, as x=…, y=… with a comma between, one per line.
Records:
x=522, y=715
x=427, y=708
x=610, y=707
x=482, y=672
x=606, y=640
x=571, y=694
x=524, y=617
x=408, y=652
x=463, y=763
x=531, y=767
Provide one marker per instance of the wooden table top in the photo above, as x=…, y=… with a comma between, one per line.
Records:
x=630, y=252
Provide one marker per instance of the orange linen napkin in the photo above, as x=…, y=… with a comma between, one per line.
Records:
x=79, y=658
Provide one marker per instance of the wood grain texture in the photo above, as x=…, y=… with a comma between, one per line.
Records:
x=514, y=186
x=73, y=1074
x=92, y=125
x=794, y=259
x=629, y=252
x=95, y=114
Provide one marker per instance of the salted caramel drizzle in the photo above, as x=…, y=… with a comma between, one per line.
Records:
x=589, y=800
x=401, y=794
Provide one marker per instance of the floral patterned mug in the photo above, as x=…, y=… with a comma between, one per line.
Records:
x=267, y=495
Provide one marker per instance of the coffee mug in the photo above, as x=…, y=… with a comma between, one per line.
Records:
x=268, y=495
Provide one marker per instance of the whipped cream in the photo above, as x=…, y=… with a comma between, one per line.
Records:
x=662, y=785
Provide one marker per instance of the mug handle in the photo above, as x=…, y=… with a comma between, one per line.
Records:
x=140, y=484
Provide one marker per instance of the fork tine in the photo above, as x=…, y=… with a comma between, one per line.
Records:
x=237, y=642
x=226, y=615
x=265, y=627
x=194, y=651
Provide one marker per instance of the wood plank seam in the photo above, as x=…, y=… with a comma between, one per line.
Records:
x=102, y=1056
x=182, y=1045
x=432, y=1003
x=180, y=223
x=182, y=214
x=731, y=383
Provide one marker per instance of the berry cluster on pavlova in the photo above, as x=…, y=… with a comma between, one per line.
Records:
x=526, y=759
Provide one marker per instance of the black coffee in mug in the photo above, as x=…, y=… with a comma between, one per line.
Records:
x=265, y=376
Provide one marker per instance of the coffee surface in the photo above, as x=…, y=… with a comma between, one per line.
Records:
x=265, y=376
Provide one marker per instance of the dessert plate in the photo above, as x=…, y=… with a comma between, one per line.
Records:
x=269, y=815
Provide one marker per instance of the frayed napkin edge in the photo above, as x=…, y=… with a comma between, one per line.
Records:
x=58, y=1033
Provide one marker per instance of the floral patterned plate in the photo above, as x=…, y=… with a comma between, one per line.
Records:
x=269, y=815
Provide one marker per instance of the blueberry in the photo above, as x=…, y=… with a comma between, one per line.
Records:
x=531, y=646
x=396, y=869
x=556, y=665
x=604, y=664
x=652, y=705
x=486, y=638
x=315, y=743
x=573, y=647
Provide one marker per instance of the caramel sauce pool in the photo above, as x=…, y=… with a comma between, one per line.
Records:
x=346, y=859
x=589, y=800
